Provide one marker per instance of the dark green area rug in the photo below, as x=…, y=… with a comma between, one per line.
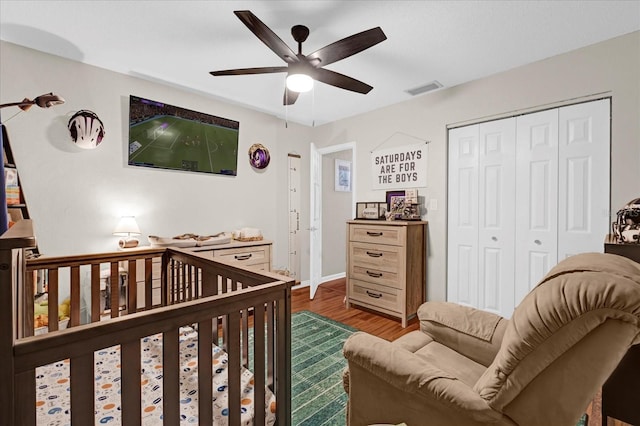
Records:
x=317, y=395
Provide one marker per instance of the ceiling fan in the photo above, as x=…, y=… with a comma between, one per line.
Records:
x=307, y=67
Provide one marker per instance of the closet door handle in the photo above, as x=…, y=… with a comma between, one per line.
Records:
x=374, y=274
x=374, y=234
x=374, y=295
x=494, y=238
x=242, y=256
x=374, y=254
x=538, y=242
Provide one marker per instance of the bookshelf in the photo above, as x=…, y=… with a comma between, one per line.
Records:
x=16, y=203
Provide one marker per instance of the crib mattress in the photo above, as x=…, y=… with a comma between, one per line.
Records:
x=53, y=391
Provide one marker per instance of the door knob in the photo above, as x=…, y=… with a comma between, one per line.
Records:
x=494, y=238
x=538, y=242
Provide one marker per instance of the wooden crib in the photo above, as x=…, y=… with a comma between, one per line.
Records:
x=247, y=313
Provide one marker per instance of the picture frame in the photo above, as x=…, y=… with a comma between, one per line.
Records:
x=371, y=210
x=343, y=175
x=391, y=195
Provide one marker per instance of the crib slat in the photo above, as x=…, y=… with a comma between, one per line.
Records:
x=148, y=281
x=132, y=288
x=233, y=369
x=114, y=282
x=95, y=292
x=258, y=364
x=25, y=386
x=53, y=298
x=205, y=385
x=130, y=379
x=245, y=337
x=28, y=303
x=82, y=396
x=75, y=299
x=270, y=345
x=171, y=377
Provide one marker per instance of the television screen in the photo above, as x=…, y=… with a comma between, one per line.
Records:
x=170, y=137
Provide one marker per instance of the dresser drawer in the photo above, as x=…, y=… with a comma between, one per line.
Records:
x=376, y=276
x=378, y=234
x=386, y=258
x=256, y=257
x=375, y=295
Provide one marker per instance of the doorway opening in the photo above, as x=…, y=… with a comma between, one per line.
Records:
x=330, y=209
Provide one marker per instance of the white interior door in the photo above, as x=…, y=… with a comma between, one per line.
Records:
x=462, y=244
x=496, y=216
x=536, y=199
x=523, y=194
x=315, y=221
x=584, y=152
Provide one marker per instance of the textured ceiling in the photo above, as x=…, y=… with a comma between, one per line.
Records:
x=179, y=42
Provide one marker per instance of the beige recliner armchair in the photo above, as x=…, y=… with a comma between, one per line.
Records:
x=470, y=367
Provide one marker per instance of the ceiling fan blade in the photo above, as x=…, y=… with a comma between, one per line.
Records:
x=340, y=80
x=245, y=71
x=290, y=97
x=267, y=36
x=347, y=46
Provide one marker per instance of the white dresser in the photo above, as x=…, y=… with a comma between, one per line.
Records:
x=386, y=266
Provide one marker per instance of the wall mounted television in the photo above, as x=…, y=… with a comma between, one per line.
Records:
x=169, y=137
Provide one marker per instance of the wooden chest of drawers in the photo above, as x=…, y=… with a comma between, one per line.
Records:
x=386, y=266
x=253, y=254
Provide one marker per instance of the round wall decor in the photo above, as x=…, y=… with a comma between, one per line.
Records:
x=259, y=156
x=86, y=129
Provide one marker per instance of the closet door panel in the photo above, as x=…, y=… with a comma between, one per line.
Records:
x=496, y=212
x=462, y=252
x=584, y=152
x=536, y=199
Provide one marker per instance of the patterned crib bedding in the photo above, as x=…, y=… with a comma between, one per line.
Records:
x=53, y=391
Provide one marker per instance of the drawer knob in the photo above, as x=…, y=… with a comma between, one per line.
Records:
x=374, y=274
x=374, y=234
x=242, y=256
x=374, y=254
x=374, y=295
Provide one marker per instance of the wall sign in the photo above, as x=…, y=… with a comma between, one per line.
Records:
x=401, y=167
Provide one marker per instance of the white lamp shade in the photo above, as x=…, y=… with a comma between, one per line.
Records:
x=299, y=82
x=127, y=227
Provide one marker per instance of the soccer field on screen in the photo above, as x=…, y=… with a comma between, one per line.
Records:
x=176, y=143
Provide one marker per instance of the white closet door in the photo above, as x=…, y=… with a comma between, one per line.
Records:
x=584, y=152
x=496, y=216
x=536, y=199
x=462, y=251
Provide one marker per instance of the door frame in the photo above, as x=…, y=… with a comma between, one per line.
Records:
x=315, y=226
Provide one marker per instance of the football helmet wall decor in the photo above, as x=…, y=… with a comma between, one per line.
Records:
x=259, y=156
x=627, y=226
x=87, y=130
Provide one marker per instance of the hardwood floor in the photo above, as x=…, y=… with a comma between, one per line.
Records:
x=329, y=302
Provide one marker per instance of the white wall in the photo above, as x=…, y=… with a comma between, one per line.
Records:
x=611, y=68
x=76, y=196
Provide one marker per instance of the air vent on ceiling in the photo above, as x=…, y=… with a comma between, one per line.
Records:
x=435, y=84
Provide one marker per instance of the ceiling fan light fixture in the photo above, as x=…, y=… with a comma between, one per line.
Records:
x=299, y=82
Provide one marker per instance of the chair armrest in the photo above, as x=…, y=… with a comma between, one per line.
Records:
x=471, y=332
x=414, y=376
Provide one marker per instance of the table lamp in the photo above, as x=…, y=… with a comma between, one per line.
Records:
x=127, y=227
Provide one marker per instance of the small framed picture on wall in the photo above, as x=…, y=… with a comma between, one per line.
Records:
x=343, y=175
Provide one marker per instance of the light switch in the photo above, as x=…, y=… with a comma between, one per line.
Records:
x=433, y=204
